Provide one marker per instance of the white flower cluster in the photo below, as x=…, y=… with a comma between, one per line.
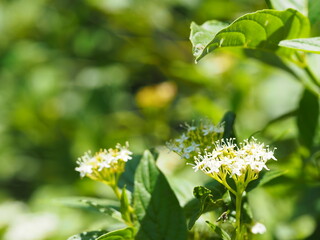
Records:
x=228, y=158
x=105, y=159
x=196, y=139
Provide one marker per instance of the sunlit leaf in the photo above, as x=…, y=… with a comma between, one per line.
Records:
x=303, y=44
x=156, y=206
x=299, y=5
x=259, y=30
x=201, y=35
x=93, y=235
x=121, y=234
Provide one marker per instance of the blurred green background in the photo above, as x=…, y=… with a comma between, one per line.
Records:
x=79, y=75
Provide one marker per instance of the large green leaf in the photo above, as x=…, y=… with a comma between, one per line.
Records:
x=201, y=35
x=127, y=178
x=310, y=8
x=121, y=234
x=303, y=44
x=300, y=5
x=308, y=118
x=157, y=208
x=93, y=235
x=259, y=30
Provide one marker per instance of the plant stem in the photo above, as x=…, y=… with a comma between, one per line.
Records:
x=312, y=76
x=238, y=215
x=116, y=191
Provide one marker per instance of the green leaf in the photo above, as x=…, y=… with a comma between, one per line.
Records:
x=264, y=178
x=121, y=234
x=156, y=206
x=300, y=5
x=125, y=206
x=201, y=35
x=108, y=207
x=259, y=30
x=303, y=44
x=308, y=118
x=206, y=203
x=87, y=235
x=127, y=178
x=222, y=233
x=314, y=11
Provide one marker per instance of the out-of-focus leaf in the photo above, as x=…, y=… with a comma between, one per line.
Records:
x=222, y=233
x=300, y=5
x=108, y=207
x=303, y=44
x=264, y=178
x=308, y=118
x=229, y=120
x=157, y=208
x=280, y=118
x=314, y=11
x=259, y=30
x=121, y=234
x=246, y=213
x=269, y=58
x=201, y=35
x=93, y=235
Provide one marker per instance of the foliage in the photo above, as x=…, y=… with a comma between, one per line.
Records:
x=111, y=71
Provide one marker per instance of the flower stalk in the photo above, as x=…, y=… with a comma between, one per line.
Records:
x=238, y=216
x=241, y=162
x=106, y=166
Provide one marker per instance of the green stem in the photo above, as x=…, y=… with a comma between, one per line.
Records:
x=116, y=191
x=304, y=65
x=312, y=76
x=238, y=216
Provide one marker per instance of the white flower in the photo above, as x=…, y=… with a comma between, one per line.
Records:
x=227, y=157
x=124, y=153
x=210, y=128
x=193, y=147
x=258, y=228
x=104, y=159
x=182, y=138
x=85, y=164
